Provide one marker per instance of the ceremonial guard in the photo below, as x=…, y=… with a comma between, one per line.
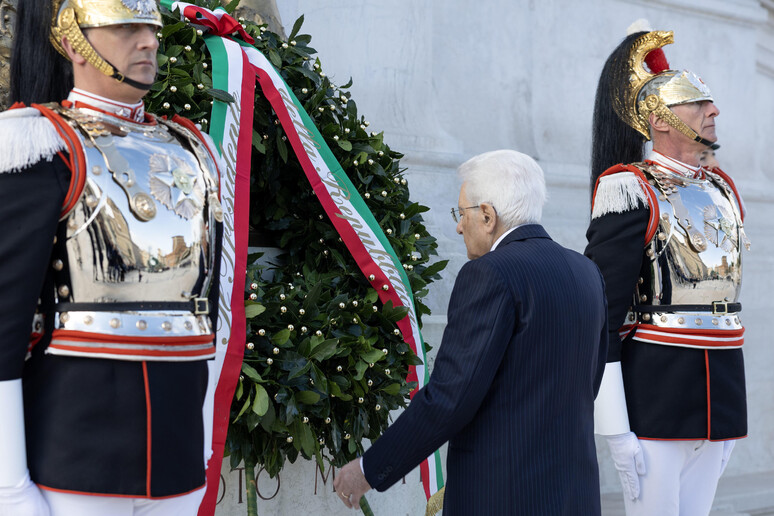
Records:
x=108, y=272
x=667, y=235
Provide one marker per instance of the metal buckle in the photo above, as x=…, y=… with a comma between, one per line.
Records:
x=201, y=306
x=716, y=304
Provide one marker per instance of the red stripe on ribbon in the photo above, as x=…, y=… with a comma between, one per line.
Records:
x=223, y=26
x=232, y=364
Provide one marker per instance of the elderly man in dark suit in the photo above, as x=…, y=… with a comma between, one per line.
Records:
x=519, y=366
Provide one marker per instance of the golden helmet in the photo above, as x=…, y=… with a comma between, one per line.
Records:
x=657, y=89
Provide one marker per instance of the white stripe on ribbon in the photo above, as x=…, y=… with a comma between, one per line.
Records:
x=227, y=188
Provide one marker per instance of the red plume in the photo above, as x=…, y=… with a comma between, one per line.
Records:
x=656, y=61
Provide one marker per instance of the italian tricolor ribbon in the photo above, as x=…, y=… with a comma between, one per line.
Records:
x=235, y=67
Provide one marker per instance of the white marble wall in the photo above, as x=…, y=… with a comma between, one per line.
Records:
x=449, y=79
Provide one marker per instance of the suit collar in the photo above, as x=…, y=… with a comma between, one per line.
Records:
x=524, y=232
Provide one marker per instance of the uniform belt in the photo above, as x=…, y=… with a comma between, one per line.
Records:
x=198, y=306
x=716, y=308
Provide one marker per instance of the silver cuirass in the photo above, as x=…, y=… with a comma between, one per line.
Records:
x=694, y=258
x=139, y=248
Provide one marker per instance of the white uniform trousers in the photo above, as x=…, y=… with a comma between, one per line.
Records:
x=680, y=479
x=68, y=504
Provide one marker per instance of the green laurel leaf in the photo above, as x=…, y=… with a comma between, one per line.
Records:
x=254, y=310
x=261, y=401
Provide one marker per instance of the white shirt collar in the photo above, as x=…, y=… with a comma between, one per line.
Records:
x=134, y=112
x=497, y=242
x=674, y=165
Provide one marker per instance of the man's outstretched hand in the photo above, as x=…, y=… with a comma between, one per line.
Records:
x=351, y=484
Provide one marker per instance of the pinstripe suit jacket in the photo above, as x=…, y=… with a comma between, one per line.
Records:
x=513, y=386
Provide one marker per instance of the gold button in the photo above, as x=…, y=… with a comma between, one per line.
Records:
x=87, y=319
x=58, y=265
x=697, y=321
x=64, y=290
x=681, y=320
x=115, y=323
x=166, y=326
x=141, y=325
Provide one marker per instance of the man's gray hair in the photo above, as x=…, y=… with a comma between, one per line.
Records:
x=510, y=181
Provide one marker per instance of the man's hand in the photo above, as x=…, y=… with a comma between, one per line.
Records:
x=627, y=456
x=23, y=499
x=351, y=484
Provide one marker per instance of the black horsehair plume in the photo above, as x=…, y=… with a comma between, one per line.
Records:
x=38, y=72
x=613, y=141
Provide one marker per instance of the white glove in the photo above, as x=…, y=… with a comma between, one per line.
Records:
x=627, y=456
x=728, y=447
x=23, y=499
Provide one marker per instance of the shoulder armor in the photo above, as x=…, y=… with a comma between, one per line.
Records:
x=200, y=141
x=619, y=189
x=724, y=181
x=28, y=137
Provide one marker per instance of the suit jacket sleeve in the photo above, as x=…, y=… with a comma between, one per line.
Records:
x=604, y=343
x=616, y=241
x=482, y=319
x=30, y=203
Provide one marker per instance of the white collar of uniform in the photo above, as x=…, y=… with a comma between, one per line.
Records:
x=674, y=165
x=134, y=112
x=497, y=242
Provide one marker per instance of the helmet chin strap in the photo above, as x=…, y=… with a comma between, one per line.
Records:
x=131, y=82
x=668, y=116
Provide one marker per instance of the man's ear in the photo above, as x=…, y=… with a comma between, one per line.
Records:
x=657, y=124
x=489, y=216
x=75, y=57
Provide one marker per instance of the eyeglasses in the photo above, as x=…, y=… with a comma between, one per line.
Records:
x=458, y=213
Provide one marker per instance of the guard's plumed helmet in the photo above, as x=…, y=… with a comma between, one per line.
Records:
x=635, y=82
x=657, y=89
x=70, y=16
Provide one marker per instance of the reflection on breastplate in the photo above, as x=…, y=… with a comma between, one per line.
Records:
x=142, y=231
x=112, y=254
x=693, y=265
x=695, y=257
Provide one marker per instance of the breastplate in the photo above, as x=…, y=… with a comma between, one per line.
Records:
x=695, y=256
x=137, y=255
